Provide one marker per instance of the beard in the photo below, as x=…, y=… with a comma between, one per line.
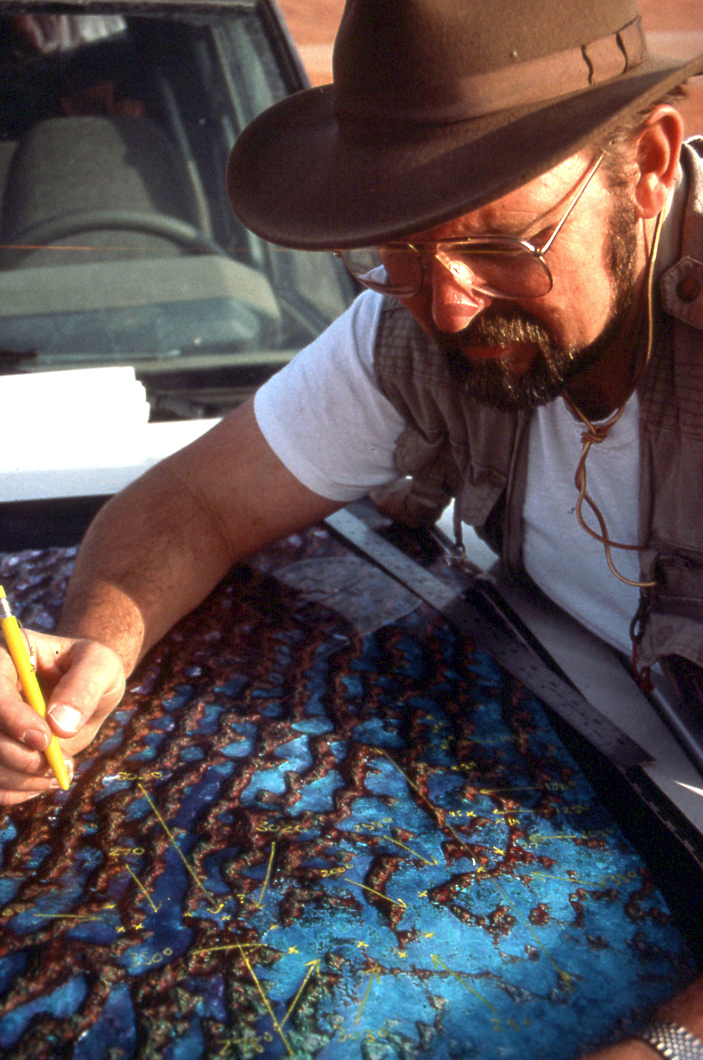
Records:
x=499, y=382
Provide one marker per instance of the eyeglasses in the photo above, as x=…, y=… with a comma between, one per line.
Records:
x=504, y=266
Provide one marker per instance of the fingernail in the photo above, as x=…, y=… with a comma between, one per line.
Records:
x=35, y=740
x=67, y=717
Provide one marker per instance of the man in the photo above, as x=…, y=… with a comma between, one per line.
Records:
x=515, y=184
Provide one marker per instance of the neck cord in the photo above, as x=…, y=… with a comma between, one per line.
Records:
x=593, y=435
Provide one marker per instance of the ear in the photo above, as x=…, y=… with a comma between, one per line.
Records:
x=657, y=150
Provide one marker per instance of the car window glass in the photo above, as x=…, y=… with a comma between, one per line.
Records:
x=118, y=243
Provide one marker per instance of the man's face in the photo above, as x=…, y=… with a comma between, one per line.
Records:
x=518, y=354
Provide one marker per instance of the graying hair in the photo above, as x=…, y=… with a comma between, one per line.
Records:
x=616, y=144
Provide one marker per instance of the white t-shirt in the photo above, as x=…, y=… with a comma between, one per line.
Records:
x=567, y=563
x=325, y=418
x=323, y=414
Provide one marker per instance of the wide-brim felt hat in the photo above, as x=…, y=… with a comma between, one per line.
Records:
x=437, y=108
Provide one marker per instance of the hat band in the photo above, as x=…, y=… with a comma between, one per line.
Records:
x=532, y=81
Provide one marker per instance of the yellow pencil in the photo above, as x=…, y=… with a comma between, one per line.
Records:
x=19, y=653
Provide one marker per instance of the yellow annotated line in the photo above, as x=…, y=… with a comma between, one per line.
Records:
x=564, y=976
x=460, y=979
x=375, y=973
x=268, y=875
x=410, y=850
x=276, y=1024
x=215, y=906
x=142, y=888
x=394, y=901
x=313, y=967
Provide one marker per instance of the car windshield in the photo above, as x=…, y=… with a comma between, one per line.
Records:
x=118, y=244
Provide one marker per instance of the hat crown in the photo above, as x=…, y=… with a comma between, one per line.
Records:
x=439, y=107
x=394, y=51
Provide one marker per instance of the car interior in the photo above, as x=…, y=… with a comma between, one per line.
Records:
x=117, y=237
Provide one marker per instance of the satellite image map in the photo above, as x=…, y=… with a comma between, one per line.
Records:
x=322, y=824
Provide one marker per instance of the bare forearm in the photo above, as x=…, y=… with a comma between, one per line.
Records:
x=151, y=555
x=155, y=551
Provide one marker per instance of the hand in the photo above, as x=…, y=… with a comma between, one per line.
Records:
x=83, y=681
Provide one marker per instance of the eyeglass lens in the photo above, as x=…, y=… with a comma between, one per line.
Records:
x=508, y=269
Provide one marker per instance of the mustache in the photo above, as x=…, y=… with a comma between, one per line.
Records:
x=498, y=326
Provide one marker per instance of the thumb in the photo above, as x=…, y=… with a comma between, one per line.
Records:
x=91, y=685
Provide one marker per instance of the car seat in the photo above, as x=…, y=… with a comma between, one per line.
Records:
x=68, y=169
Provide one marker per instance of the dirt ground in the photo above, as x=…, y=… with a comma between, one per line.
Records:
x=674, y=27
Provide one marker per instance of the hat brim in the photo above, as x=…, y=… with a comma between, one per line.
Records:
x=299, y=178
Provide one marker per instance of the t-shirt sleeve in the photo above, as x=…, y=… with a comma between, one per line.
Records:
x=324, y=415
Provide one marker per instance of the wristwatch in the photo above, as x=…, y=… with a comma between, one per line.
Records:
x=672, y=1041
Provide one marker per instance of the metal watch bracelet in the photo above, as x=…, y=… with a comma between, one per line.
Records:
x=672, y=1041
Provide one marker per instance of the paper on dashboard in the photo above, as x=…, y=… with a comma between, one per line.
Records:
x=68, y=418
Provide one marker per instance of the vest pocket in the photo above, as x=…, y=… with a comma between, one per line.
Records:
x=679, y=589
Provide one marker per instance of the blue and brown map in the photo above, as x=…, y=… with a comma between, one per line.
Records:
x=325, y=830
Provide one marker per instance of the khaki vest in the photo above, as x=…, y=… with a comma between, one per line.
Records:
x=455, y=447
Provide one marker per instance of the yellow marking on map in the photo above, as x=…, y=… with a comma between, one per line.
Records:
x=393, y=901
x=313, y=967
x=268, y=875
x=441, y=819
x=506, y=813
x=215, y=906
x=440, y=815
x=546, y=876
x=230, y=946
x=564, y=976
x=460, y=979
x=375, y=971
x=142, y=888
x=414, y=786
x=409, y=849
x=266, y=1002
x=67, y=916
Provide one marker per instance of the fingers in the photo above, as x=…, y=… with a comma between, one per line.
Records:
x=17, y=787
x=82, y=682
x=18, y=721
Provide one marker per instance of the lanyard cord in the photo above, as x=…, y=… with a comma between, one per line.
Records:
x=593, y=435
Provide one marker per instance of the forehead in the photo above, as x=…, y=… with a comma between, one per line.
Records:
x=542, y=199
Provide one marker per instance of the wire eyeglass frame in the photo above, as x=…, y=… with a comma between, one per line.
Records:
x=457, y=254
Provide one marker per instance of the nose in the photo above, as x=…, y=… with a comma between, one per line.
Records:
x=455, y=303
